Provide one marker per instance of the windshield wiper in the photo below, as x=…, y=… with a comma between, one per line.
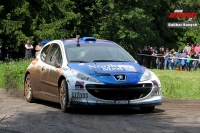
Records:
x=80, y=61
x=108, y=61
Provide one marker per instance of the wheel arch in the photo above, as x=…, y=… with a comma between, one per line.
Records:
x=59, y=81
x=25, y=79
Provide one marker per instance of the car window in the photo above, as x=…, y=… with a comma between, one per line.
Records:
x=90, y=53
x=44, y=52
x=54, y=54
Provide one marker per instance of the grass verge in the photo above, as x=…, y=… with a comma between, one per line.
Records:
x=179, y=84
x=12, y=73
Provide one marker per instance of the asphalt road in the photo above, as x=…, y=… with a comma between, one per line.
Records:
x=18, y=116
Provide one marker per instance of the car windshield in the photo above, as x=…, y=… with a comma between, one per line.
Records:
x=97, y=53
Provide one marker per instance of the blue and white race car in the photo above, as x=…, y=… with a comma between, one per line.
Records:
x=90, y=72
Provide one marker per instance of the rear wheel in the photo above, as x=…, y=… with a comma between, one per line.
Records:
x=28, y=89
x=64, y=98
x=147, y=109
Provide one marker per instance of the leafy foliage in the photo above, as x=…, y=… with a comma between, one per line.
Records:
x=130, y=23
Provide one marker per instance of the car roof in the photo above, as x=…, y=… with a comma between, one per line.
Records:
x=86, y=40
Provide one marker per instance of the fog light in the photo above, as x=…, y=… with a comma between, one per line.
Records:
x=156, y=92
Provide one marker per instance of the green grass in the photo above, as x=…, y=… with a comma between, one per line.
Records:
x=175, y=84
x=2, y=73
x=179, y=84
x=12, y=73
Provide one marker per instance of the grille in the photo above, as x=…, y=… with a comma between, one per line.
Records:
x=126, y=92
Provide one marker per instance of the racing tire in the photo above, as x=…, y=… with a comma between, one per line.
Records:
x=64, y=97
x=147, y=109
x=28, y=91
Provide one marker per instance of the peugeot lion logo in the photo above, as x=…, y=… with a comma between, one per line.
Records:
x=120, y=77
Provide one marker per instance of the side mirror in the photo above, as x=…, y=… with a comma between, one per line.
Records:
x=57, y=64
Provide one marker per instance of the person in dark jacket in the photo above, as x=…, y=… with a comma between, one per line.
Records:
x=195, y=62
x=145, y=58
x=28, y=50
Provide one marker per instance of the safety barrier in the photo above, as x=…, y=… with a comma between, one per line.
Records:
x=168, y=57
x=164, y=62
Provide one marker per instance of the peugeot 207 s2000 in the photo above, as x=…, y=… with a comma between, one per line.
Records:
x=87, y=71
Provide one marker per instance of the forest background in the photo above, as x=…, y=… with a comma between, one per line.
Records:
x=131, y=23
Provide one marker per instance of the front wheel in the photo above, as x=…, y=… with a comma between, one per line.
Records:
x=64, y=98
x=28, y=89
x=147, y=109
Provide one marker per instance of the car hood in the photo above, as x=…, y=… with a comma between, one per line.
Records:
x=107, y=72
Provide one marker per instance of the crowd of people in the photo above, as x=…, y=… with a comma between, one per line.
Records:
x=185, y=59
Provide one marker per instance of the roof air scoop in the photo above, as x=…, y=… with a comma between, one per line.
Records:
x=88, y=39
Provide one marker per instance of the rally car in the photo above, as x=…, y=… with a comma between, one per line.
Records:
x=90, y=72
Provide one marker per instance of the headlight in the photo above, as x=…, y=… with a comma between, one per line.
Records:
x=84, y=76
x=146, y=76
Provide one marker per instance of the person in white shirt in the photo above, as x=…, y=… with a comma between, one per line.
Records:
x=37, y=49
x=187, y=48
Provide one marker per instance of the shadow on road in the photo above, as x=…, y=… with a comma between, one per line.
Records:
x=100, y=110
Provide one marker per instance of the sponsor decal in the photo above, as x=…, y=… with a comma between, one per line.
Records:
x=35, y=61
x=79, y=85
x=111, y=67
x=79, y=95
x=75, y=99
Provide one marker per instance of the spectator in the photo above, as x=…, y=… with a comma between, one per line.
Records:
x=171, y=59
x=196, y=61
x=187, y=62
x=197, y=48
x=37, y=49
x=145, y=51
x=182, y=63
x=28, y=51
x=161, y=52
x=155, y=50
x=192, y=49
x=177, y=61
x=152, y=58
x=187, y=48
x=149, y=58
x=167, y=54
x=156, y=59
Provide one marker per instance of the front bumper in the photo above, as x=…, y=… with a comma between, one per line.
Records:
x=144, y=103
x=87, y=98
